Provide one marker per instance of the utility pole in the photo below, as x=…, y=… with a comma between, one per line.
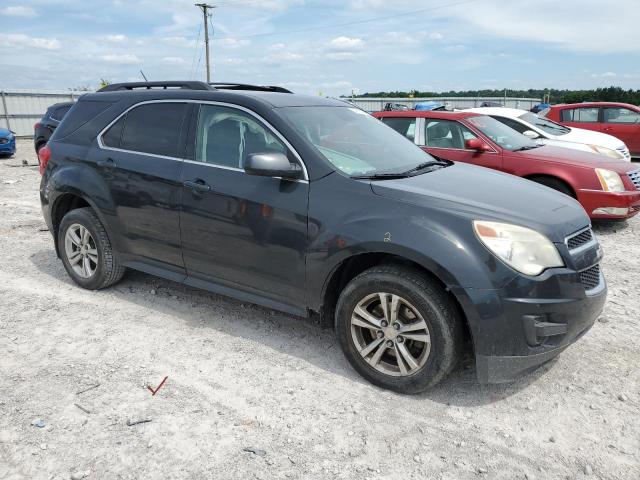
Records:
x=205, y=7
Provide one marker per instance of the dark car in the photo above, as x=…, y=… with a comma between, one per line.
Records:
x=44, y=128
x=312, y=207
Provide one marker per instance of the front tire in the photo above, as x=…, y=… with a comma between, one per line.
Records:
x=86, y=251
x=398, y=328
x=557, y=185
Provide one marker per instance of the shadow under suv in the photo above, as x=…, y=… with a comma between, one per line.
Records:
x=313, y=207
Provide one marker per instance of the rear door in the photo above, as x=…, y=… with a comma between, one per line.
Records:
x=242, y=231
x=138, y=156
x=446, y=139
x=581, y=117
x=624, y=124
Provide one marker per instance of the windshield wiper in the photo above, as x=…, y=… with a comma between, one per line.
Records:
x=432, y=163
x=380, y=176
x=527, y=147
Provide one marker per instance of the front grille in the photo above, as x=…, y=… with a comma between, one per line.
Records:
x=635, y=178
x=579, y=239
x=590, y=278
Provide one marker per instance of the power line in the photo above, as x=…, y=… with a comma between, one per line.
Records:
x=347, y=24
x=196, y=49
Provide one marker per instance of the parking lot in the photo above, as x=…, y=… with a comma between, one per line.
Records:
x=254, y=393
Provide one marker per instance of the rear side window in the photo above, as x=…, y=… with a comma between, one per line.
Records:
x=511, y=123
x=111, y=138
x=80, y=113
x=153, y=128
x=620, y=115
x=404, y=125
x=581, y=115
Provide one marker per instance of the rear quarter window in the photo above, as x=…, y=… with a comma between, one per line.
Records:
x=78, y=115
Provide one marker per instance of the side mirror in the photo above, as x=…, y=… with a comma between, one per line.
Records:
x=477, y=145
x=271, y=165
x=531, y=134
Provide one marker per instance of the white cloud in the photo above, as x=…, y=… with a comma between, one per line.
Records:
x=21, y=40
x=346, y=43
x=174, y=60
x=604, y=75
x=18, y=11
x=121, y=59
x=455, y=48
x=435, y=36
x=116, y=38
x=230, y=42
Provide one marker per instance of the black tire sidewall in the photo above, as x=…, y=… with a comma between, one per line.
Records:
x=430, y=306
x=82, y=217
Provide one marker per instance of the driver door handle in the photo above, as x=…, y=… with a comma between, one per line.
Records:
x=108, y=163
x=197, y=185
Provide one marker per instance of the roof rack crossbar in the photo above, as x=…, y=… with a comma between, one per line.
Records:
x=245, y=86
x=187, y=85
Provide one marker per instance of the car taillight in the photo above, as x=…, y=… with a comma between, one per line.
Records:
x=36, y=126
x=44, y=154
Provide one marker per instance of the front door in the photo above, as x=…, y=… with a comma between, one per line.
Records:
x=241, y=231
x=446, y=139
x=139, y=159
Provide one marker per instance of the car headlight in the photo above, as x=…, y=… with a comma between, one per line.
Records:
x=523, y=249
x=607, y=151
x=610, y=181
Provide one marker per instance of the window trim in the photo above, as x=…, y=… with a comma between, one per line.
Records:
x=102, y=146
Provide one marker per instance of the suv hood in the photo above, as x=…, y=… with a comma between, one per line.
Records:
x=570, y=156
x=482, y=194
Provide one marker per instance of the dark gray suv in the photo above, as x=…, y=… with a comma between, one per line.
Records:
x=313, y=207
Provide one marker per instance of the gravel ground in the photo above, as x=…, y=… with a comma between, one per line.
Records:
x=242, y=377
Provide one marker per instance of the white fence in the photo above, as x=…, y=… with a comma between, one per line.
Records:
x=377, y=104
x=19, y=110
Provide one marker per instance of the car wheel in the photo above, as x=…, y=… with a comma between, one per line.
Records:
x=555, y=184
x=86, y=251
x=398, y=328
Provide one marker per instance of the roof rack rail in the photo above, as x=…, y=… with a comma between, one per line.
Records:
x=186, y=85
x=244, y=86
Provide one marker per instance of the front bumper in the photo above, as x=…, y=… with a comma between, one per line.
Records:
x=592, y=200
x=529, y=322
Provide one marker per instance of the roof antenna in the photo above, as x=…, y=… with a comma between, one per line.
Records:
x=142, y=73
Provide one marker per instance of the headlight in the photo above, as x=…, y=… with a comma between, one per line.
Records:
x=523, y=249
x=607, y=151
x=610, y=181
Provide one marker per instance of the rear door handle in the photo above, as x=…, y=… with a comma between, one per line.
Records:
x=108, y=163
x=198, y=185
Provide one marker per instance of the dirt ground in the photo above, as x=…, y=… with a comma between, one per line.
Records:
x=243, y=377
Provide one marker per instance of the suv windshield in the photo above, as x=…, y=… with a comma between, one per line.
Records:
x=504, y=136
x=355, y=142
x=544, y=124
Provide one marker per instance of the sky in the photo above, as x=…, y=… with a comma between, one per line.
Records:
x=330, y=47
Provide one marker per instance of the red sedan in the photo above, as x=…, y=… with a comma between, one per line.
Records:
x=621, y=120
x=606, y=187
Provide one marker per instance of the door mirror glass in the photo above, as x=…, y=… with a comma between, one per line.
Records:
x=531, y=134
x=476, y=144
x=271, y=165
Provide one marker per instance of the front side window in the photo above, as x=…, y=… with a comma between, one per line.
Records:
x=504, y=136
x=403, y=125
x=447, y=134
x=226, y=136
x=353, y=141
x=621, y=115
x=153, y=128
x=580, y=115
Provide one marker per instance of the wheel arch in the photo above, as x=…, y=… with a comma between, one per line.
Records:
x=535, y=176
x=350, y=267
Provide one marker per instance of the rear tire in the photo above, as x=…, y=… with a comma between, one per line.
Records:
x=421, y=341
x=557, y=185
x=86, y=251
